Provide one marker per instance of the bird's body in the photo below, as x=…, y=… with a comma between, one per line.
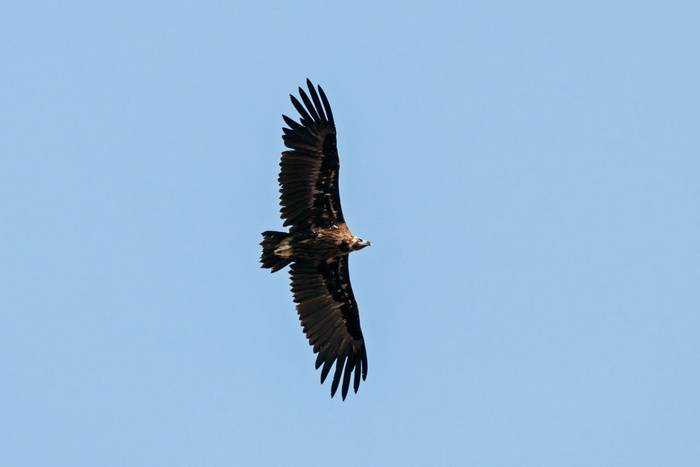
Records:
x=324, y=244
x=318, y=242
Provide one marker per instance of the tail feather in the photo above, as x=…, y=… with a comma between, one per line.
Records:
x=271, y=242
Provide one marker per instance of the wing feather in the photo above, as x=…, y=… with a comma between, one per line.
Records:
x=347, y=373
x=326, y=106
x=317, y=102
x=327, y=365
x=336, y=375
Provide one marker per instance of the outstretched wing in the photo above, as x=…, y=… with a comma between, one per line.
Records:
x=328, y=313
x=309, y=170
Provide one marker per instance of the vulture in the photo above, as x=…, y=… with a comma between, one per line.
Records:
x=318, y=243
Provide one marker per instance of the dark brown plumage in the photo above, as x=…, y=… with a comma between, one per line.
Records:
x=318, y=243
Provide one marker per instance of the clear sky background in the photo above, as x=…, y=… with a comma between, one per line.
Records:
x=528, y=173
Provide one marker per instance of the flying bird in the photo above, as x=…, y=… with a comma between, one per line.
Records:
x=318, y=243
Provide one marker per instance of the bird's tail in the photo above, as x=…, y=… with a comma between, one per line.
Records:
x=276, y=250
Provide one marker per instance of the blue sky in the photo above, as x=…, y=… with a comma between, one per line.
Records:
x=528, y=173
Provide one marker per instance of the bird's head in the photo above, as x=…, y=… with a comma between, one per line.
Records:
x=358, y=243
